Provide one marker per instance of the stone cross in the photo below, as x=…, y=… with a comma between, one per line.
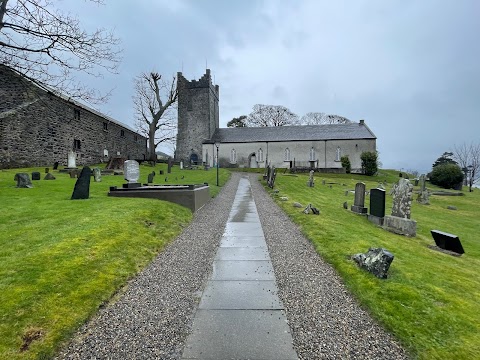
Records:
x=311, y=182
x=131, y=171
x=72, y=158
x=402, y=199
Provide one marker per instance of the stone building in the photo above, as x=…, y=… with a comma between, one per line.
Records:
x=317, y=146
x=38, y=128
x=198, y=116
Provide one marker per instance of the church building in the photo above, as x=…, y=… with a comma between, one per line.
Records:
x=200, y=138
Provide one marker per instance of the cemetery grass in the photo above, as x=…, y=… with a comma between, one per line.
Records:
x=62, y=259
x=431, y=300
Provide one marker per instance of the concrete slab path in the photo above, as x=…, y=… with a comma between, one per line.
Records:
x=240, y=315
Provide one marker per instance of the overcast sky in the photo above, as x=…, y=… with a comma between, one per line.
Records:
x=410, y=68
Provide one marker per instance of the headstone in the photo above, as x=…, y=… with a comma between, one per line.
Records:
x=312, y=209
x=82, y=186
x=72, y=158
x=423, y=195
x=55, y=165
x=49, y=176
x=131, y=171
x=73, y=173
x=181, y=165
x=323, y=182
x=399, y=222
x=311, y=182
x=150, y=177
x=359, y=202
x=170, y=164
x=297, y=205
x=345, y=205
x=161, y=172
x=377, y=206
x=47, y=170
x=23, y=180
x=272, y=176
x=35, y=175
x=447, y=241
x=97, y=174
x=451, y=207
x=376, y=260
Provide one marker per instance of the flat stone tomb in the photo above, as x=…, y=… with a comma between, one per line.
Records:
x=240, y=315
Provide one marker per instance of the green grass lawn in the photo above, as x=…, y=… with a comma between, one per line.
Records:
x=61, y=259
x=431, y=300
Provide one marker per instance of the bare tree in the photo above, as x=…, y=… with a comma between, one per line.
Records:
x=468, y=157
x=320, y=118
x=271, y=115
x=48, y=47
x=155, y=118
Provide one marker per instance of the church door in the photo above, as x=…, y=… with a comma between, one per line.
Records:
x=194, y=159
x=253, y=161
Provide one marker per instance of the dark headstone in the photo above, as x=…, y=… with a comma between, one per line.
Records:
x=82, y=186
x=47, y=170
x=345, y=205
x=161, y=172
x=377, y=202
x=35, y=175
x=150, y=177
x=447, y=241
x=55, y=165
x=170, y=164
x=49, y=176
x=23, y=180
x=359, y=202
x=376, y=260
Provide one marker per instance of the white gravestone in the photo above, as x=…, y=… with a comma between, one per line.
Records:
x=72, y=157
x=131, y=169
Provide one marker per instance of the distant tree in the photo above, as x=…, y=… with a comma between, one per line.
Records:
x=346, y=163
x=468, y=157
x=369, y=162
x=320, y=118
x=271, y=115
x=47, y=47
x=446, y=158
x=155, y=118
x=238, y=122
x=447, y=175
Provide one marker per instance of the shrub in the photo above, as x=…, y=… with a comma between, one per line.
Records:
x=369, y=162
x=346, y=163
x=447, y=175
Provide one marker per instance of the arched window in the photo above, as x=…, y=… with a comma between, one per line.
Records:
x=338, y=155
x=312, y=154
x=260, y=155
x=287, y=154
x=233, y=156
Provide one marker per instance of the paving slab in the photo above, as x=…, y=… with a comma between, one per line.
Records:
x=243, y=228
x=241, y=295
x=242, y=270
x=243, y=241
x=242, y=253
x=240, y=334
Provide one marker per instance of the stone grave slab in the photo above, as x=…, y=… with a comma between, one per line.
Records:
x=242, y=253
x=240, y=295
x=243, y=241
x=240, y=334
x=447, y=241
x=242, y=270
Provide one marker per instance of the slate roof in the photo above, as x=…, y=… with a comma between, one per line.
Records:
x=293, y=133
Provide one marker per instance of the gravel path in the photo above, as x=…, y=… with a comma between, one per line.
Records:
x=153, y=317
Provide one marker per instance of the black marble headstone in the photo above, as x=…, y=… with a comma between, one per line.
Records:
x=82, y=186
x=35, y=175
x=447, y=241
x=377, y=202
x=55, y=165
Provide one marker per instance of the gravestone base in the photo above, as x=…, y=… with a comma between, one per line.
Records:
x=400, y=225
x=131, y=185
x=359, y=209
x=375, y=219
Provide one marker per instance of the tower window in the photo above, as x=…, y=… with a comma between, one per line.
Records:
x=76, y=144
x=105, y=126
x=76, y=114
x=122, y=133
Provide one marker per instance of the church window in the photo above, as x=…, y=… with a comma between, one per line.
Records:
x=105, y=126
x=287, y=154
x=76, y=114
x=338, y=154
x=76, y=144
x=260, y=154
x=135, y=137
x=312, y=154
x=233, y=156
x=122, y=133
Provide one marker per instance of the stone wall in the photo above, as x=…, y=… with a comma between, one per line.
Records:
x=198, y=115
x=38, y=128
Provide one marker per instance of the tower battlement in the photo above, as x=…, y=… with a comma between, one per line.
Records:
x=204, y=82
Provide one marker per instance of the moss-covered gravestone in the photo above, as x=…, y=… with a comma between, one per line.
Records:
x=23, y=180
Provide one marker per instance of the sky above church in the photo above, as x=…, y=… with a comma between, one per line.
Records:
x=409, y=68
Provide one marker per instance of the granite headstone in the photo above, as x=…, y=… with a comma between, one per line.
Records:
x=82, y=186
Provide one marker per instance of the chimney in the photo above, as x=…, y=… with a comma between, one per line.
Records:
x=362, y=122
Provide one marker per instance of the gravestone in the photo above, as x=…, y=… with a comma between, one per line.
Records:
x=35, y=175
x=271, y=179
x=55, y=165
x=447, y=241
x=181, y=165
x=49, y=176
x=131, y=170
x=72, y=158
x=73, y=173
x=97, y=174
x=359, y=202
x=311, y=182
x=377, y=206
x=311, y=209
x=376, y=260
x=150, y=177
x=47, y=170
x=423, y=195
x=23, y=180
x=170, y=164
x=345, y=205
x=82, y=186
x=399, y=222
